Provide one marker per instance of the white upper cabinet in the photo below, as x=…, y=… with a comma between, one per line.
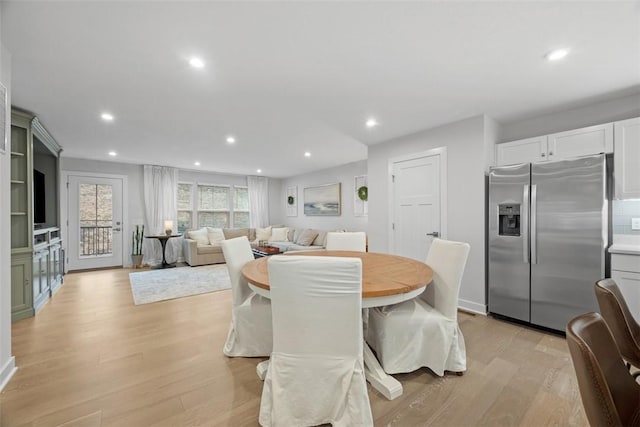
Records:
x=581, y=142
x=626, y=157
x=522, y=151
x=557, y=146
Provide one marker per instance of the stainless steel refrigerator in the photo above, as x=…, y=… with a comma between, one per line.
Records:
x=548, y=234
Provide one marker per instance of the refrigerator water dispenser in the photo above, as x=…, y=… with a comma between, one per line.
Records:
x=509, y=220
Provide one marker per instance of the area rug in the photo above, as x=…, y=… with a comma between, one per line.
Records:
x=160, y=285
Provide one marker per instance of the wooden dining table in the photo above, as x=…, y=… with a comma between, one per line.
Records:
x=386, y=279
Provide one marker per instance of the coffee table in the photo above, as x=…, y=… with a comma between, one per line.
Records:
x=262, y=251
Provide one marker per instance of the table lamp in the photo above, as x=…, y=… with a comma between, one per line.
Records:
x=168, y=227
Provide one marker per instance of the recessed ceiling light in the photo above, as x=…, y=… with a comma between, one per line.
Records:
x=307, y=154
x=197, y=163
x=231, y=140
x=259, y=170
x=107, y=117
x=371, y=123
x=557, y=54
x=113, y=153
x=196, y=62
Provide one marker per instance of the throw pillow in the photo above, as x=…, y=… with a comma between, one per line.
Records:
x=215, y=236
x=263, y=233
x=320, y=238
x=279, y=234
x=200, y=236
x=232, y=233
x=307, y=237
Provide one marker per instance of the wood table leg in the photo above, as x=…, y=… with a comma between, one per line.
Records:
x=378, y=378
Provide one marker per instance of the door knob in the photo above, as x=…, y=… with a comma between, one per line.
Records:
x=434, y=234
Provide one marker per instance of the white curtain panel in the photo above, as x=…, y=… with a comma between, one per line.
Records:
x=160, y=203
x=258, y=188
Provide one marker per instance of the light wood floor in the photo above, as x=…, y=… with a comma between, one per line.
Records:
x=92, y=358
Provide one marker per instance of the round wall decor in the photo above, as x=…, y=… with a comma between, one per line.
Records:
x=363, y=193
x=290, y=200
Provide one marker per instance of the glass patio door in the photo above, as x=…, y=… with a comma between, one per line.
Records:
x=95, y=222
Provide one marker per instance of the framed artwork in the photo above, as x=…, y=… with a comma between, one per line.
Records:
x=3, y=119
x=292, y=201
x=323, y=200
x=360, y=196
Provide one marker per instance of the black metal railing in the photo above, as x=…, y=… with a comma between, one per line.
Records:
x=96, y=240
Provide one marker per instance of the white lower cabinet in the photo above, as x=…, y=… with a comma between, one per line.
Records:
x=625, y=270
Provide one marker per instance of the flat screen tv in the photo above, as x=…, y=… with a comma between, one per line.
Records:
x=39, y=203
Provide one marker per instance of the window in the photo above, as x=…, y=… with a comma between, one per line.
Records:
x=240, y=207
x=214, y=206
x=185, y=207
x=96, y=219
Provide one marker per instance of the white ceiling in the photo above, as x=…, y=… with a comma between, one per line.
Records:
x=290, y=77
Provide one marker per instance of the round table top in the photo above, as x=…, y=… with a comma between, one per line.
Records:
x=162, y=236
x=382, y=274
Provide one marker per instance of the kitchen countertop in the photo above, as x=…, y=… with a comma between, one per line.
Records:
x=625, y=244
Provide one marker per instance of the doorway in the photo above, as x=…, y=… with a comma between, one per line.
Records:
x=418, y=202
x=95, y=221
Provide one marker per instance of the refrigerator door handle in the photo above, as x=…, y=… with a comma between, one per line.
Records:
x=534, y=226
x=525, y=224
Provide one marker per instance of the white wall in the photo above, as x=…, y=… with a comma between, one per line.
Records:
x=593, y=114
x=465, y=144
x=345, y=175
x=7, y=361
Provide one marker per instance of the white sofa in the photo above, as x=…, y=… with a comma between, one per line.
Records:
x=202, y=246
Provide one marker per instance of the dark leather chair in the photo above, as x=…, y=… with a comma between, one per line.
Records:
x=610, y=395
x=624, y=327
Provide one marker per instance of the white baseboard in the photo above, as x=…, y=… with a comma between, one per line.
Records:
x=7, y=372
x=473, y=307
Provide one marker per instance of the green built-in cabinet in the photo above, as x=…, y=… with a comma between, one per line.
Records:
x=35, y=255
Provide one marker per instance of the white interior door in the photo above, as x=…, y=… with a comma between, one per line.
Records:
x=95, y=222
x=416, y=205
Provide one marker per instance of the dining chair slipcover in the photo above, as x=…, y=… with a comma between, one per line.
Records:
x=615, y=311
x=424, y=331
x=316, y=372
x=250, y=333
x=347, y=241
x=610, y=395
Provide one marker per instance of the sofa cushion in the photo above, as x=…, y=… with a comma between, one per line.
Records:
x=307, y=237
x=209, y=249
x=263, y=233
x=232, y=233
x=296, y=233
x=279, y=235
x=215, y=236
x=320, y=238
x=200, y=236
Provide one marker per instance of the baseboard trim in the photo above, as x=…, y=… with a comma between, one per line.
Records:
x=7, y=372
x=472, y=307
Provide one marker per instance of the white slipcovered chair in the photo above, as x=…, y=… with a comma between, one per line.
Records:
x=348, y=241
x=424, y=331
x=250, y=332
x=316, y=373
